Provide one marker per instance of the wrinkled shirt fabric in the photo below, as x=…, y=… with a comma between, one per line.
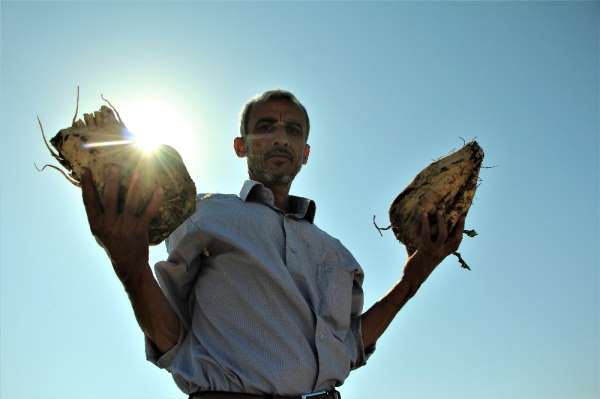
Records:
x=268, y=303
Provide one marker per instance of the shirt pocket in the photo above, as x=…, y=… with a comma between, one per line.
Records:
x=335, y=289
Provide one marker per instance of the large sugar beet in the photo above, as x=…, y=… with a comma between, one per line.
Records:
x=448, y=183
x=102, y=140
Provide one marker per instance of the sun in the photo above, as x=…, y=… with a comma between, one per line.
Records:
x=155, y=122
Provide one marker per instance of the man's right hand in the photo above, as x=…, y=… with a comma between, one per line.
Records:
x=124, y=235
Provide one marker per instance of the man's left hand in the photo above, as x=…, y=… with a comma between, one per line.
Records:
x=431, y=253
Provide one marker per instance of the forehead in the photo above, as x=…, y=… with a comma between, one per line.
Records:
x=277, y=108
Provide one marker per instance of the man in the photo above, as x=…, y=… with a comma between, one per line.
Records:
x=254, y=299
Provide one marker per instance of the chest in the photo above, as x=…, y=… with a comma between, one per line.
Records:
x=281, y=253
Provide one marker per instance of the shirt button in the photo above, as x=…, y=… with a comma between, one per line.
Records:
x=293, y=250
x=321, y=337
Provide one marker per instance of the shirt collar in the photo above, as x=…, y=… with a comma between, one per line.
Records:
x=300, y=207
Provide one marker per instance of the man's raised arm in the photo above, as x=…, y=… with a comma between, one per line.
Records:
x=124, y=237
x=418, y=267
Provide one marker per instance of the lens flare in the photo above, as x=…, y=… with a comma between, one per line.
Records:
x=148, y=143
x=152, y=123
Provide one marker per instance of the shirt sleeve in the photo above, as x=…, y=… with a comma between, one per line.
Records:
x=163, y=360
x=354, y=341
x=362, y=353
x=176, y=277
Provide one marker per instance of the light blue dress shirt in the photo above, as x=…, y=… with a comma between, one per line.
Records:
x=268, y=302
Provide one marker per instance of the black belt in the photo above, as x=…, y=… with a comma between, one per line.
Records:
x=332, y=394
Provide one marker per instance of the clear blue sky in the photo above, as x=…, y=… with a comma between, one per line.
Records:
x=389, y=87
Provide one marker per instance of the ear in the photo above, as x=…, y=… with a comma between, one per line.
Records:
x=306, y=153
x=239, y=145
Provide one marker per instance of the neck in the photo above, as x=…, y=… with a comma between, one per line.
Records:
x=281, y=195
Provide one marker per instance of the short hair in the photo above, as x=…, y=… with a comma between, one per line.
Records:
x=277, y=94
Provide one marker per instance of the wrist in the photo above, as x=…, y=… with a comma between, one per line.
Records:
x=417, y=270
x=410, y=285
x=130, y=272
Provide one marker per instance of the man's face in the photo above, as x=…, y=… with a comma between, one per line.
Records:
x=275, y=144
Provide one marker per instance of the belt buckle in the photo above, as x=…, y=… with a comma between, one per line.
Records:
x=319, y=394
x=313, y=395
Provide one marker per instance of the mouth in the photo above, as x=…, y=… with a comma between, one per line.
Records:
x=279, y=156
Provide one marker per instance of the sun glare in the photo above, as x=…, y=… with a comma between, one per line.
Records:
x=153, y=123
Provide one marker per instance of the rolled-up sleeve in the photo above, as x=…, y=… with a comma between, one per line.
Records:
x=176, y=280
x=176, y=277
x=163, y=360
x=362, y=353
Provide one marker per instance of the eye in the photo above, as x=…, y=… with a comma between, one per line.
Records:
x=264, y=127
x=294, y=130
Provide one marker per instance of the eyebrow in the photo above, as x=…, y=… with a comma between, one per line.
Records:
x=273, y=120
x=270, y=120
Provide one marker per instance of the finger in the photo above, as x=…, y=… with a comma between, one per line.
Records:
x=98, y=119
x=425, y=231
x=89, y=120
x=90, y=199
x=130, y=206
x=461, y=226
x=79, y=123
x=111, y=191
x=457, y=233
x=152, y=208
x=442, y=229
x=458, y=229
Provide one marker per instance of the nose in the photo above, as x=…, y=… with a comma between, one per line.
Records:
x=281, y=136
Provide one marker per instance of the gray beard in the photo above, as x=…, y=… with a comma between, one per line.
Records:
x=270, y=179
x=257, y=172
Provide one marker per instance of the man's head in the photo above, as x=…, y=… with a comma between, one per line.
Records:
x=274, y=129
